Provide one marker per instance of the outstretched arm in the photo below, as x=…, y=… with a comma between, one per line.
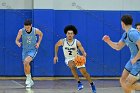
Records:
x=115, y=45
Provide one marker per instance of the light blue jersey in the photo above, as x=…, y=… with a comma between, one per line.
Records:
x=28, y=40
x=28, y=43
x=130, y=38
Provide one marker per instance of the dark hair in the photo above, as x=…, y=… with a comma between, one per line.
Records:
x=127, y=19
x=27, y=22
x=137, y=24
x=70, y=27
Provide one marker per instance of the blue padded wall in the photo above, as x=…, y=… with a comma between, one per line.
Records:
x=92, y=25
x=43, y=63
x=2, y=43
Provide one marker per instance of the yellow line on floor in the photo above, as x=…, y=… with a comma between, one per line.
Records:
x=57, y=78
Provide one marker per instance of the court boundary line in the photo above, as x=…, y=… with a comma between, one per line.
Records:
x=18, y=83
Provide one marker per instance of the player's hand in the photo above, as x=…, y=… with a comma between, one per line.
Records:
x=55, y=59
x=37, y=45
x=18, y=44
x=133, y=61
x=106, y=38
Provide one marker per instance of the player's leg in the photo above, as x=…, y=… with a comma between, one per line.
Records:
x=27, y=68
x=74, y=72
x=136, y=86
x=126, y=71
x=133, y=77
x=27, y=71
x=87, y=76
x=123, y=79
x=131, y=82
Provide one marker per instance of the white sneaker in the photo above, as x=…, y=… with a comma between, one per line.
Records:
x=27, y=81
x=31, y=83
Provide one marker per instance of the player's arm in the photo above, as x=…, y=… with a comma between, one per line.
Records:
x=40, y=34
x=115, y=45
x=80, y=47
x=137, y=57
x=57, y=45
x=135, y=37
x=18, y=38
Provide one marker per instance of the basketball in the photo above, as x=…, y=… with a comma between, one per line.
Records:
x=79, y=60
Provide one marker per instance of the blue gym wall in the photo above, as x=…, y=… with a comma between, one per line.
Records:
x=91, y=25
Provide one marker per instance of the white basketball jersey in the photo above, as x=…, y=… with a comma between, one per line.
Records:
x=70, y=49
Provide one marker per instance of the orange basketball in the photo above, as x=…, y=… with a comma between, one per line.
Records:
x=79, y=60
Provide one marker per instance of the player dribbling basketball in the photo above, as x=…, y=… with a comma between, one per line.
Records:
x=70, y=49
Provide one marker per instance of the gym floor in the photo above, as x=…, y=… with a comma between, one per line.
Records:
x=59, y=86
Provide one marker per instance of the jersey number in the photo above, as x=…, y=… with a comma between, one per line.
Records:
x=70, y=52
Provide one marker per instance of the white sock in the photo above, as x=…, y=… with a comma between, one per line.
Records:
x=28, y=76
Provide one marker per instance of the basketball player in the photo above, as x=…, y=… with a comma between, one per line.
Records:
x=131, y=38
x=137, y=26
x=70, y=49
x=30, y=47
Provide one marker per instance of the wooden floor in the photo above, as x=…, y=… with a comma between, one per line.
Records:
x=59, y=86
